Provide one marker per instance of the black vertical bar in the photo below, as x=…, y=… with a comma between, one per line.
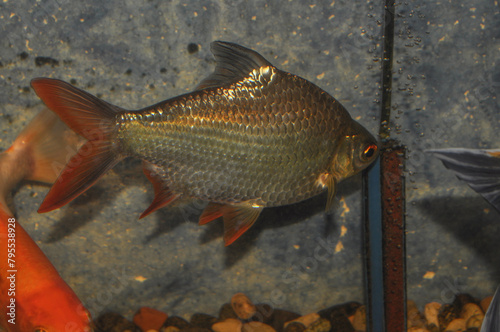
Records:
x=384, y=131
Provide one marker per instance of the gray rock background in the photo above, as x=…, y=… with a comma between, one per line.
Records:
x=134, y=54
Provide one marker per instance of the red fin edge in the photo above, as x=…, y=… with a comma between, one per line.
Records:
x=163, y=195
x=212, y=211
x=91, y=162
x=238, y=218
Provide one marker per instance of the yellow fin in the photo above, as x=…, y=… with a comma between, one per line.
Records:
x=328, y=180
x=331, y=184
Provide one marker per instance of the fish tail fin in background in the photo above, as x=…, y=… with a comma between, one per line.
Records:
x=93, y=119
x=480, y=169
x=491, y=321
x=39, y=153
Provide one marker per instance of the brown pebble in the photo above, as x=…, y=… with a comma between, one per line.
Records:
x=433, y=328
x=469, y=310
x=338, y=315
x=113, y=322
x=295, y=327
x=431, y=312
x=226, y=311
x=203, y=320
x=264, y=313
x=228, y=325
x=359, y=319
x=462, y=299
x=305, y=320
x=276, y=318
x=414, y=317
x=485, y=303
x=447, y=313
x=457, y=324
x=257, y=327
x=149, y=319
x=169, y=329
x=348, y=309
x=176, y=321
x=475, y=321
x=321, y=325
x=242, y=306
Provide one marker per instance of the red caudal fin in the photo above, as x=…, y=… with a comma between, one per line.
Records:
x=92, y=118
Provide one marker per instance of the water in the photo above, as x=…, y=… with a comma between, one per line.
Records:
x=445, y=87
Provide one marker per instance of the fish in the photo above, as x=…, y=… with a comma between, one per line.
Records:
x=479, y=168
x=250, y=136
x=491, y=321
x=32, y=293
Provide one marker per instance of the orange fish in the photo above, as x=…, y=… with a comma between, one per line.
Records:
x=251, y=136
x=33, y=297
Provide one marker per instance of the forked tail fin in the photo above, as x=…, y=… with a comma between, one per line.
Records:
x=90, y=117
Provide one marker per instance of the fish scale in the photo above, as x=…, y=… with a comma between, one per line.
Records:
x=201, y=142
x=250, y=136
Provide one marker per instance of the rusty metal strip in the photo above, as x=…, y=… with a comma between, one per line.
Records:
x=393, y=236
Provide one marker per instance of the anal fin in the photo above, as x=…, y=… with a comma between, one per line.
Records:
x=238, y=218
x=211, y=212
x=163, y=195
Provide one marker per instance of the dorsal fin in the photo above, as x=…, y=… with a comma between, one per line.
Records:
x=234, y=62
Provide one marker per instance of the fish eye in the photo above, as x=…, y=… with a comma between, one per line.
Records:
x=369, y=151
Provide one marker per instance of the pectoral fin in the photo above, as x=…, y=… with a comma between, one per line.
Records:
x=238, y=218
x=328, y=180
x=332, y=189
